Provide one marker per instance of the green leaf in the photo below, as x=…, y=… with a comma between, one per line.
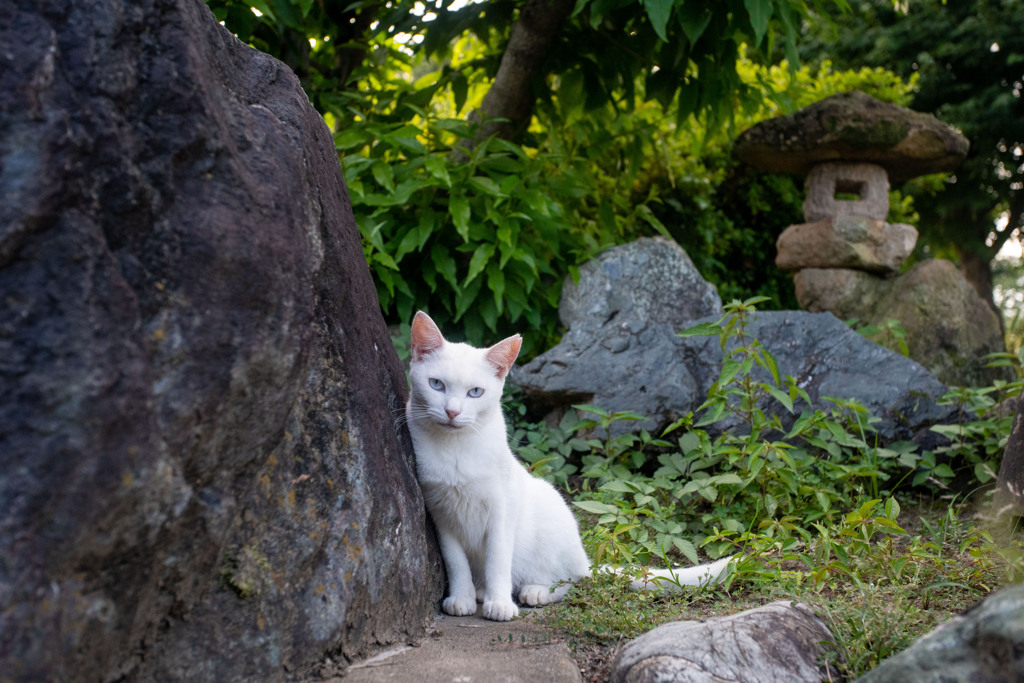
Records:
x=385, y=259
x=595, y=507
x=709, y=493
x=701, y=330
x=404, y=138
x=347, y=139
x=694, y=17
x=384, y=176
x=760, y=12
x=730, y=368
x=478, y=262
x=892, y=509
x=458, y=207
x=496, y=283
x=588, y=408
x=686, y=548
x=659, y=11
x=287, y=15
x=983, y=472
x=779, y=396
x=445, y=265
x=437, y=168
x=485, y=185
x=648, y=216
x=618, y=486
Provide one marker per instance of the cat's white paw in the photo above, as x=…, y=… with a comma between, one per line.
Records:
x=500, y=610
x=535, y=595
x=459, y=606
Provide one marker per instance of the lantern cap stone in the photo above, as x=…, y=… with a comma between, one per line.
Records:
x=854, y=127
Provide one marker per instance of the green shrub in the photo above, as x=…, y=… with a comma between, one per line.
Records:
x=819, y=495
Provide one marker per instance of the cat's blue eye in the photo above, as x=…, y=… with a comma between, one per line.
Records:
x=475, y=392
x=436, y=384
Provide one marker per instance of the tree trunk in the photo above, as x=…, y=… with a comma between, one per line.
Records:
x=511, y=96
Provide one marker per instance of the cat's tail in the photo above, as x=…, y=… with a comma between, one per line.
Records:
x=673, y=579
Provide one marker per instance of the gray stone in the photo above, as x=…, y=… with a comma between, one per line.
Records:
x=844, y=292
x=853, y=126
x=827, y=181
x=620, y=361
x=645, y=368
x=948, y=328
x=985, y=644
x=778, y=642
x=649, y=281
x=621, y=350
x=827, y=358
x=201, y=478
x=855, y=242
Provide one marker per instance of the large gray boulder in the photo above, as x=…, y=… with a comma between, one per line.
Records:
x=985, y=644
x=200, y=474
x=620, y=350
x=620, y=360
x=781, y=641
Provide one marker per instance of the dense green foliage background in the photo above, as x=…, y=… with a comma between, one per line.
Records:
x=482, y=232
x=623, y=128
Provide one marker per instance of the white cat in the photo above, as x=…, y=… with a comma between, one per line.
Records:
x=503, y=532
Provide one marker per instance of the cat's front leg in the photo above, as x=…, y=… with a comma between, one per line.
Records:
x=461, y=600
x=498, y=604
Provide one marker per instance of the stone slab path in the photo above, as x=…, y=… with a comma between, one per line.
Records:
x=473, y=650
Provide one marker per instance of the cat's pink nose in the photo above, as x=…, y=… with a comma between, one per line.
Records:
x=452, y=414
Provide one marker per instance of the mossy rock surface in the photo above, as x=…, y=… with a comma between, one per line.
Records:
x=854, y=127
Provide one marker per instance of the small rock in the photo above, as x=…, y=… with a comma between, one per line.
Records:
x=778, y=642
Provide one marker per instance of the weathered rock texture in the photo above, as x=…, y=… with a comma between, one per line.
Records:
x=620, y=359
x=777, y=642
x=855, y=242
x=985, y=644
x=620, y=349
x=200, y=474
x=1009, y=494
x=949, y=329
x=853, y=127
x=649, y=281
x=863, y=188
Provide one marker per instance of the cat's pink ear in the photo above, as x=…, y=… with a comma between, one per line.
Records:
x=426, y=337
x=503, y=354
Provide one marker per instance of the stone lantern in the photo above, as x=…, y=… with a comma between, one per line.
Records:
x=846, y=257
